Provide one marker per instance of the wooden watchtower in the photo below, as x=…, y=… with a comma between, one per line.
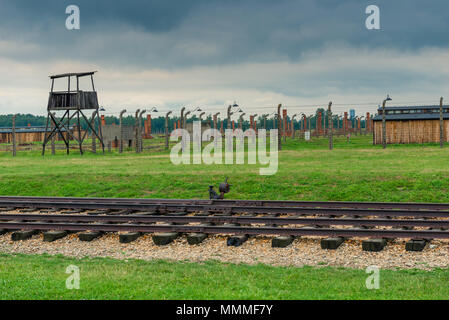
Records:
x=71, y=104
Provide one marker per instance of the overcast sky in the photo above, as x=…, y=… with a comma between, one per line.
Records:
x=208, y=53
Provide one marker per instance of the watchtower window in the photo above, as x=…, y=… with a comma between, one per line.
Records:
x=72, y=98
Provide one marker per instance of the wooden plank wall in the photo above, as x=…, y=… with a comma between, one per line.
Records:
x=411, y=131
x=29, y=137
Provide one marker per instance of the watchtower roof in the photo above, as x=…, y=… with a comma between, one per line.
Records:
x=74, y=74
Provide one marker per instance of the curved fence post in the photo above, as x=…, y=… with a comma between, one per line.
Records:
x=140, y=130
x=166, y=130
x=94, y=140
x=120, y=148
x=136, y=130
x=330, y=125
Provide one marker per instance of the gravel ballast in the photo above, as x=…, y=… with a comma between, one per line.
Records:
x=303, y=251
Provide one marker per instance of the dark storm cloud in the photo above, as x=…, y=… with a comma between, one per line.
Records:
x=163, y=33
x=171, y=34
x=154, y=15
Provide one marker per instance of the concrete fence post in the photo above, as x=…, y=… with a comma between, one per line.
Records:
x=181, y=122
x=229, y=114
x=140, y=130
x=215, y=119
x=167, y=135
x=293, y=126
x=100, y=124
x=240, y=123
x=384, y=126
x=284, y=126
x=304, y=124
x=94, y=141
x=330, y=126
x=136, y=130
x=120, y=148
x=324, y=124
x=345, y=123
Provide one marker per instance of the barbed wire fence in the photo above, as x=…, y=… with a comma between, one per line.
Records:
x=142, y=131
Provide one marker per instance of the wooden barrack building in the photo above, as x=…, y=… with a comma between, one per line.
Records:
x=417, y=124
x=29, y=134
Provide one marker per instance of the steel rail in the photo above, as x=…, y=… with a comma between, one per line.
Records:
x=256, y=203
x=191, y=208
x=370, y=233
x=229, y=220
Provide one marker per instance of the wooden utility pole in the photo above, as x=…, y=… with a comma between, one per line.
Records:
x=367, y=123
x=441, y=123
x=14, y=136
x=330, y=125
x=279, y=128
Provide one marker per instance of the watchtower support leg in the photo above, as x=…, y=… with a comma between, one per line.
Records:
x=53, y=147
x=80, y=139
x=68, y=130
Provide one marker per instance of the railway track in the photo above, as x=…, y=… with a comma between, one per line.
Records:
x=337, y=220
x=24, y=202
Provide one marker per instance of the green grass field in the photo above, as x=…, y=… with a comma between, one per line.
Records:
x=355, y=171
x=307, y=170
x=44, y=277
